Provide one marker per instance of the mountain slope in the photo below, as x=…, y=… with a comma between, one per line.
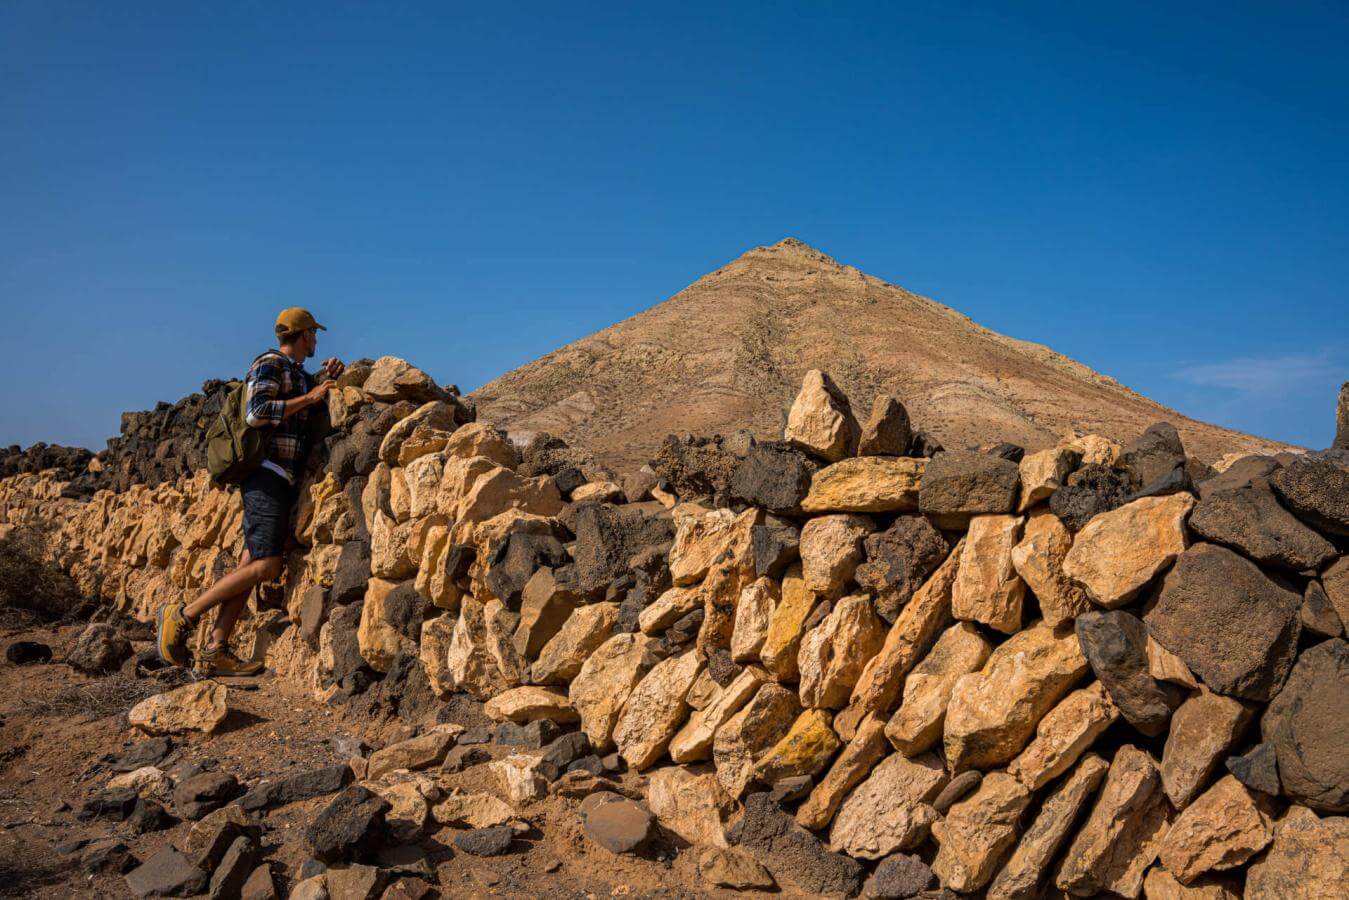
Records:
x=729, y=352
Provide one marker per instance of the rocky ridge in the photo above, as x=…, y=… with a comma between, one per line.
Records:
x=970, y=670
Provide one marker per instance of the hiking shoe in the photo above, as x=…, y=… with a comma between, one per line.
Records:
x=220, y=661
x=171, y=633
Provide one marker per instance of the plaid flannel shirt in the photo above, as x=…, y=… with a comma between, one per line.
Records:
x=273, y=379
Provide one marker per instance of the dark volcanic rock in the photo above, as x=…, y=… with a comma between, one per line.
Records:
x=98, y=650
x=1173, y=482
x=196, y=796
x=897, y=876
x=899, y=560
x=774, y=545
x=227, y=881
x=115, y=804
x=313, y=613
x=695, y=466
x=793, y=854
x=1318, y=613
x=23, y=653
x=1153, y=454
x=518, y=558
x=348, y=826
x=1232, y=626
x=607, y=537
x=107, y=856
x=148, y=816
x=620, y=826
x=1316, y=489
x=1245, y=472
x=300, y=786
x=887, y=431
x=137, y=756
x=531, y=735
x=1257, y=768
x=1251, y=521
x=1115, y=645
x=774, y=476
x=166, y=874
x=1090, y=491
x=343, y=622
x=493, y=841
x=1309, y=729
x=958, y=787
x=960, y=483
x=352, y=574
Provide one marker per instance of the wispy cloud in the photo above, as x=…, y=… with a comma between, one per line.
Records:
x=1267, y=376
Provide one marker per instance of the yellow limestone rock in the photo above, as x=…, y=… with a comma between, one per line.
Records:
x=702, y=540
x=917, y=726
x=473, y=810
x=604, y=683
x=785, y=626
x=918, y=624
x=1038, y=559
x=978, y=831
x=480, y=439
x=833, y=653
x=1308, y=860
x=655, y=709
x=690, y=805
x=200, y=706
x=501, y=489
x=1119, y=552
x=527, y=703
x=993, y=712
x=1220, y=830
x=1063, y=735
x=586, y=628
x=750, y=733
x=390, y=556
x=1162, y=885
x=482, y=660
x=376, y=636
x=434, y=651
x=1044, y=473
x=670, y=607
x=433, y=418
x=806, y=749
x=1094, y=449
x=854, y=764
x=1204, y=732
x=831, y=548
x=422, y=476
x=866, y=484
x=1114, y=847
x=891, y=810
x=753, y=612
x=694, y=740
x=988, y=589
x=821, y=421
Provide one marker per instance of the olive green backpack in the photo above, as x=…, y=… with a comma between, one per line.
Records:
x=234, y=449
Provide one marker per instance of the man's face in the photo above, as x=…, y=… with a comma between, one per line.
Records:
x=310, y=342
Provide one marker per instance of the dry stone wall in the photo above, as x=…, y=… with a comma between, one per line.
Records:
x=859, y=658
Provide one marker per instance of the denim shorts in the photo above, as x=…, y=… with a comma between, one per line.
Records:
x=268, y=501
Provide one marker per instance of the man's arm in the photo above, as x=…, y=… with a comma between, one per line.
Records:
x=264, y=408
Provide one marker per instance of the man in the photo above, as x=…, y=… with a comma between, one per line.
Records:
x=281, y=395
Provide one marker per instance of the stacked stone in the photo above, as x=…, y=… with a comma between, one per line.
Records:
x=1095, y=668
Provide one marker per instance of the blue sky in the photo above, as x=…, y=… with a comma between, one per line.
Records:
x=1157, y=190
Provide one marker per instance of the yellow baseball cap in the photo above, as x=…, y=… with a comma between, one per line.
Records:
x=297, y=318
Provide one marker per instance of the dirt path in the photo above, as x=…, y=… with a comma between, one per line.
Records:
x=57, y=725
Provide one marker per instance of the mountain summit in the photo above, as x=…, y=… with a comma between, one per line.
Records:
x=729, y=352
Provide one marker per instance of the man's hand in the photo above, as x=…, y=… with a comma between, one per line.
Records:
x=333, y=367
x=319, y=392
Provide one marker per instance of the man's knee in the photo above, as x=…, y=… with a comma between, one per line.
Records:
x=271, y=567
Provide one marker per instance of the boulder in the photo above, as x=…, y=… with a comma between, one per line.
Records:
x=831, y=548
x=898, y=560
x=993, y=712
x=606, y=679
x=703, y=539
x=607, y=537
x=620, y=826
x=167, y=873
x=891, y=810
x=821, y=420
x=1119, y=552
x=434, y=651
x=1115, y=645
x=690, y=805
x=521, y=777
x=520, y=559
x=482, y=660
x=917, y=726
x=1308, y=859
x=1038, y=559
x=1114, y=847
x=391, y=622
x=1315, y=488
x=734, y=868
x=1020, y=878
x=1044, y=472
x=98, y=650
x=655, y=709
x=527, y=703
x=1154, y=453
x=1232, y=626
x=978, y=832
x=866, y=484
x=899, y=875
x=1222, y=829
x=585, y=629
x=792, y=854
x=1089, y=491
x=473, y=810
x=833, y=653
x=424, y=431
x=392, y=379
x=887, y=431
x=1203, y=731
x=774, y=476
x=960, y=483
x=753, y=612
x=480, y=439
x=749, y=734
x=1250, y=521
x=694, y=740
x=300, y=786
x=1063, y=735
x=494, y=841
x=1307, y=726
x=786, y=626
x=988, y=589
x=421, y=752
x=805, y=749
x=1162, y=885
x=200, y=706
x=853, y=765
x=348, y=825
x=198, y=795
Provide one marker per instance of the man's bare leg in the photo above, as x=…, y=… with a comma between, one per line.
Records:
x=247, y=575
